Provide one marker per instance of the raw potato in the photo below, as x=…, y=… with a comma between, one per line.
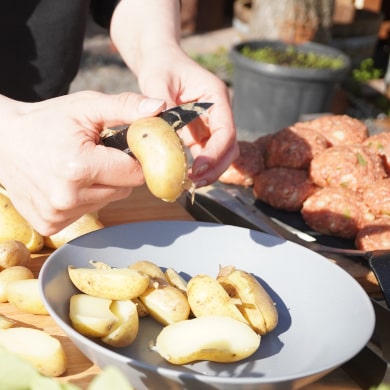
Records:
x=6, y=323
x=25, y=295
x=166, y=304
x=13, y=252
x=14, y=227
x=152, y=270
x=160, y=152
x=85, y=224
x=43, y=351
x=176, y=280
x=256, y=305
x=207, y=297
x=17, y=272
x=215, y=338
x=91, y=316
x=112, y=283
x=126, y=330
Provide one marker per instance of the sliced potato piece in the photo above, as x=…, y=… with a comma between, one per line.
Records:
x=214, y=338
x=150, y=269
x=141, y=308
x=6, y=323
x=25, y=295
x=176, y=280
x=112, y=283
x=256, y=304
x=43, y=351
x=126, y=330
x=166, y=304
x=85, y=224
x=207, y=297
x=17, y=272
x=92, y=316
x=13, y=252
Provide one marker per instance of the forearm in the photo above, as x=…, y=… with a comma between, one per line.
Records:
x=140, y=28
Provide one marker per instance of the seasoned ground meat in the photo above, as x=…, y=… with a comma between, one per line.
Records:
x=283, y=188
x=377, y=197
x=262, y=143
x=335, y=211
x=380, y=143
x=375, y=235
x=294, y=147
x=245, y=167
x=339, y=129
x=349, y=166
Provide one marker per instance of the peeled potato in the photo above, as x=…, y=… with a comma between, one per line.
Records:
x=160, y=152
x=214, y=338
x=111, y=283
x=43, y=351
x=207, y=297
x=85, y=224
x=14, y=227
x=126, y=330
x=166, y=304
x=91, y=316
x=255, y=303
x=17, y=272
x=13, y=252
x=25, y=295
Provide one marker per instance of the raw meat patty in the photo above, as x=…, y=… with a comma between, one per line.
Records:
x=262, y=143
x=349, y=166
x=380, y=143
x=283, y=188
x=377, y=198
x=294, y=147
x=245, y=167
x=335, y=211
x=339, y=129
x=375, y=235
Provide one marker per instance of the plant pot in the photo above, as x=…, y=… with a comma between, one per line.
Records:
x=268, y=97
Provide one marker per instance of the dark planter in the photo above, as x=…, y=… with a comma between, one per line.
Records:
x=268, y=97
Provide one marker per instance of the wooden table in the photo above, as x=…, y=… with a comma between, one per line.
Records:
x=140, y=206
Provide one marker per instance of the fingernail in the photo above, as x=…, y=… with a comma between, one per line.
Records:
x=202, y=169
x=150, y=105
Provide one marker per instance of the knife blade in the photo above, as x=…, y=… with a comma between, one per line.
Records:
x=242, y=203
x=177, y=117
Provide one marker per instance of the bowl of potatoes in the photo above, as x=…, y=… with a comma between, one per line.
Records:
x=185, y=305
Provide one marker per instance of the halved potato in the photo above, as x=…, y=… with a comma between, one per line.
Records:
x=17, y=272
x=150, y=269
x=92, y=316
x=112, y=283
x=176, y=280
x=215, y=338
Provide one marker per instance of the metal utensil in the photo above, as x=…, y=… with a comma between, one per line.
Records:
x=242, y=203
x=177, y=117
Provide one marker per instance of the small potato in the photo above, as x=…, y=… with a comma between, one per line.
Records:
x=92, y=316
x=160, y=152
x=25, y=295
x=112, y=283
x=13, y=252
x=166, y=304
x=214, y=338
x=207, y=297
x=17, y=272
x=150, y=269
x=176, y=280
x=126, y=330
x=43, y=351
x=255, y=303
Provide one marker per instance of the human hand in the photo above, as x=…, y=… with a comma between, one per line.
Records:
x=51, y=162
x=173, y=76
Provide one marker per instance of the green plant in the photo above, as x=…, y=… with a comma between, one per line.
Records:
x=367, y=71
x=291, y=56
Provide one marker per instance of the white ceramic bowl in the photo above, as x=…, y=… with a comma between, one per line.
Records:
x=325, y=317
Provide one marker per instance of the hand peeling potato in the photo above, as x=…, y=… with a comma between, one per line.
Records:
x=160, y=152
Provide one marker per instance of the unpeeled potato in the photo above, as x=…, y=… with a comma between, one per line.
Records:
x=214, y=338
x=14, y=227
x=13, y=252
x=85, y=224
x=160, y=152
